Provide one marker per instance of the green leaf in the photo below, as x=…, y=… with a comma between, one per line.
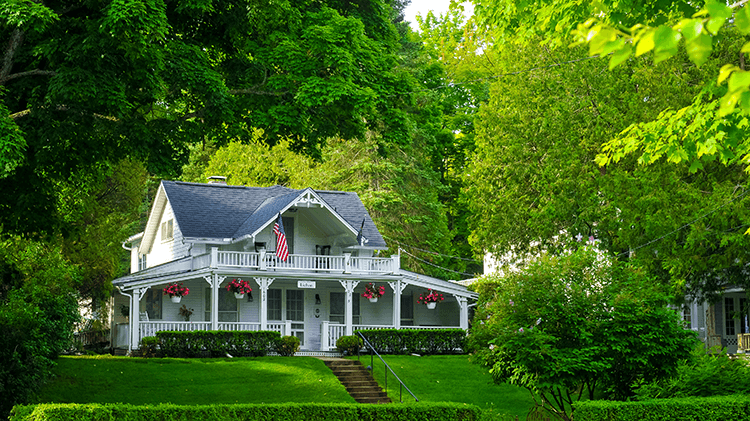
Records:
x=725, y=71
x=619, y=56
x=742, y=20
x=690, y=28
x=744, y=101
x=645, y=43
x=666, y=40
x=699, y=48
x=727, y=103
x=718, y=9
x=599, y=37
x=745, y=48
x=739, y=81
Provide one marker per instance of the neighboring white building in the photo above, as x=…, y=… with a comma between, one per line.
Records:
x=205, y=235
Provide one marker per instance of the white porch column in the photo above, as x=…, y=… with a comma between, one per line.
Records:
x=398, y=288
x=349, y=288
x=464, y=314
x=135, y=313
x=263, y=284
x=214, y=281
x=324, y=338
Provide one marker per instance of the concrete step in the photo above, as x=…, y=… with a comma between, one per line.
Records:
x=358, y=381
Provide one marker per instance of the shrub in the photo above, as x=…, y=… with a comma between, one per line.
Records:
x=287, y=346
x=349, y=345
x=424, y=341
x=712, y=374
x=716, y=408
x=200, y=343
x=432, y=411
x=150, y=347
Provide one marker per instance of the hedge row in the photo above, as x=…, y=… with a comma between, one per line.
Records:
x=248, y=412
x=216, y=343
x=424, y=341
x=717, y=408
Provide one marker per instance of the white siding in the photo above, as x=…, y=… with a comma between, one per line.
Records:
x=166, y=250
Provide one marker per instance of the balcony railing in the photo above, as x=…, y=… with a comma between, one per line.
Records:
x=304, y=262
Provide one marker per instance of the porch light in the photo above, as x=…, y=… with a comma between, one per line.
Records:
x=260, y=247
x=317, y=299
x=250, y=297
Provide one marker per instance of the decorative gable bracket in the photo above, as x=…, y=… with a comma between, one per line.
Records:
x=307, y=199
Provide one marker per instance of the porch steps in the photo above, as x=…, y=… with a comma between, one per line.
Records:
x=357, y=380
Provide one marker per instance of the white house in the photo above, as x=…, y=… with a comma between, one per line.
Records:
x=206, y=235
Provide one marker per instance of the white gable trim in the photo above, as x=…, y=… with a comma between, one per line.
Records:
x=152, y=226
x=308, y=198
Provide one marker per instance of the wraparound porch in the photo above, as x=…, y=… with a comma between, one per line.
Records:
x=318, y=310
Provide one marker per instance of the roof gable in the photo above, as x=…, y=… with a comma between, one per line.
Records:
x=223, y=212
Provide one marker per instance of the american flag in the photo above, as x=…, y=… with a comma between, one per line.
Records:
x=282, y=250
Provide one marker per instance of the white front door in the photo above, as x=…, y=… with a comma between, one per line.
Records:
x=295, y=311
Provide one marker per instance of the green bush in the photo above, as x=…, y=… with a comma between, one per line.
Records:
x=150, y=347
x=349, y=345
x=705, y=374
x=216, y=343
x=718, y=408
x=287, y=346
x=409, y=341
x=265, y=412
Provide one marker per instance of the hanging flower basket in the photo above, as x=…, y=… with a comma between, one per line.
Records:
x=176, y=291
x=373, y=292
x=430, y=299
x=239, y=287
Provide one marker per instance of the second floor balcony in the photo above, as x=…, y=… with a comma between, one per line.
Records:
x=269, y=262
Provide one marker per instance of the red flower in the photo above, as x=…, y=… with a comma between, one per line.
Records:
x=239, y=286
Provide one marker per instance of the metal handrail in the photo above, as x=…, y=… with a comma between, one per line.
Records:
x=401, y=383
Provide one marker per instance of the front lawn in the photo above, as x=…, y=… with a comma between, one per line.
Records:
x=142, y=381
x=451, y=378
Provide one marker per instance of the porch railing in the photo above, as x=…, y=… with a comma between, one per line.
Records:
x=743, y=343
x=150, y=328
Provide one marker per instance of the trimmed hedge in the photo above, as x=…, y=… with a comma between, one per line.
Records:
x=424, y=341
x=443, y=411
x=717, y=408
x=217, y=343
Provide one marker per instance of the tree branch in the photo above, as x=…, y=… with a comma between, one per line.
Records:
x=36, y=72
x=16, y=38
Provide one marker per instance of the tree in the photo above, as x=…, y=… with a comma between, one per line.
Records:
x=624, y=30
x=38, y=309
x=89, y=83
x=533, y=184
x=576, y=325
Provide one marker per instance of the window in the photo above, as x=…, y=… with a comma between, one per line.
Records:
x=295, y=305
x=274, y=304
x=687, y=317
x=227, y=305
x=338, y=308
x=151, y=303
x=167, y=230
x=729, y=316
x=407, y=309
x=142, y=265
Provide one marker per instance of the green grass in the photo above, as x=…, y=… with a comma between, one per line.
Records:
x=451, y=378
x=142, y=381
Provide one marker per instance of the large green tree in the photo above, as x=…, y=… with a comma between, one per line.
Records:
x=533, y=183
x=85, y=83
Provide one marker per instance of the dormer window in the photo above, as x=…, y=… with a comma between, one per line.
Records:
x=167, y=230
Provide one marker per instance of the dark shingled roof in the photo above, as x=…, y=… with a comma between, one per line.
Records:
x=223, y=211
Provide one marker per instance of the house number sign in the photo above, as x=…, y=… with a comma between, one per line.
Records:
x=306, y=284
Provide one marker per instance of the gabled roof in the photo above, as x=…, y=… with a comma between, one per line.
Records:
x=219, y=211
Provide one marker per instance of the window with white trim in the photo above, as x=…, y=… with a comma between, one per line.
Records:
x=167, y=230
x=227, y=305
